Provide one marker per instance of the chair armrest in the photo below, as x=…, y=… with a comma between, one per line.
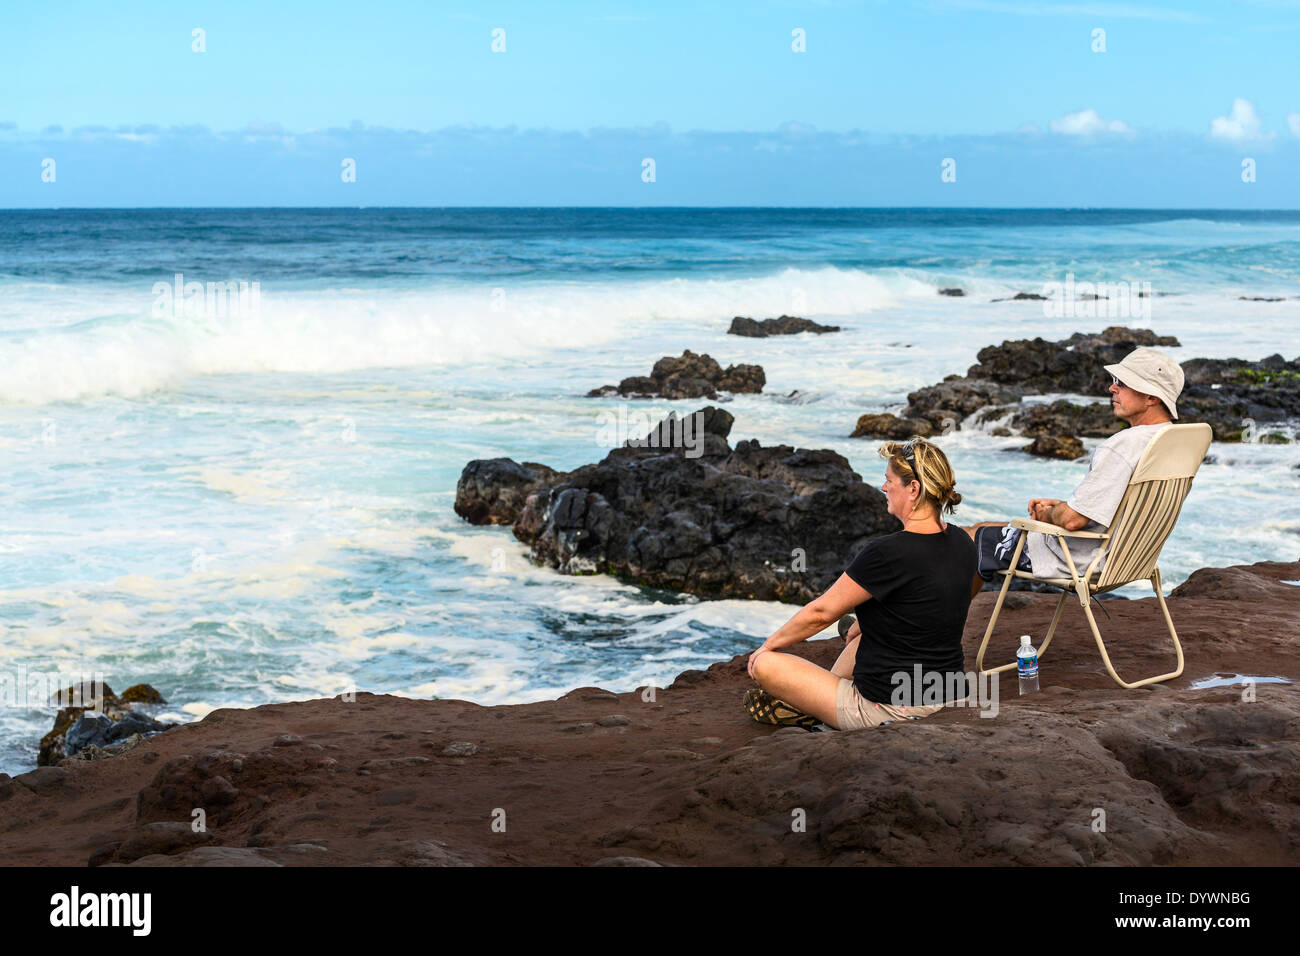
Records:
x=1029, y=524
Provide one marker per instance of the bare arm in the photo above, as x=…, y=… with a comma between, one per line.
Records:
x=820, y=613
x=1057, y=512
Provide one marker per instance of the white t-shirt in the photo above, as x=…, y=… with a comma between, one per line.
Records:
x=1097, y=498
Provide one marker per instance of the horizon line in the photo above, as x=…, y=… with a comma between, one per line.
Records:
x=1214, y=209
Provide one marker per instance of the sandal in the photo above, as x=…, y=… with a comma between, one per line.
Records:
x=766, y=709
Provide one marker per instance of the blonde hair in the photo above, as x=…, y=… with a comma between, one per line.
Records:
x=932, y=471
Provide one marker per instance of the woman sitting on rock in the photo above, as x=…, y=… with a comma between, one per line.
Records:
x=911, y=591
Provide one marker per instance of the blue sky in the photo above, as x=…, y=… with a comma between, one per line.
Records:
x=714, y=93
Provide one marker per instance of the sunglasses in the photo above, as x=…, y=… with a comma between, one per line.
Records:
x=909, y=456
x=1119, y=383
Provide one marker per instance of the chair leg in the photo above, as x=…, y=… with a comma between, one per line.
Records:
x=988, y=631
x=1158, y=586
x=1056, y=618
x=997, y=609
x=1178, y=648
x=992, y=623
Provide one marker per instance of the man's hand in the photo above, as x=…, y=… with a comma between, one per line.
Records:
x=762, y=650
x=1040, y=509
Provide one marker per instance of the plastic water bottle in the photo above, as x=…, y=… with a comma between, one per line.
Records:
x=1027, y=664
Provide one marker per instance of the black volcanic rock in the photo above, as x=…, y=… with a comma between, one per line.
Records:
x=1070, y=365
x=1023, y=297
x=785, y=325
x=1065, y=447
x=946, y=404
x=93, y=722
x=775, y=523
x=891, y=426
x=1066, y=418
x=1121, y=335
x=1235, y=396
x=492, y=490
x=687, y=376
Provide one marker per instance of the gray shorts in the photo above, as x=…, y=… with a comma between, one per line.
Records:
x=854, y=712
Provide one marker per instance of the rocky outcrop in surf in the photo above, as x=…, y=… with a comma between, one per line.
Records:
x=685, y=511
x=1239, y=399
x=1063, y=447
x=1044, y=419
x=1037, y=366
x=785, y=325
x=1023, y=297
x=891, y=427
x=493, y=490
x=93, y=722
x=687, y=376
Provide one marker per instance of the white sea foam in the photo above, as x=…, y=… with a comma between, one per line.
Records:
x=49, y=359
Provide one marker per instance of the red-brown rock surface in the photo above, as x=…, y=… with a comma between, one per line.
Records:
x=1183, y=776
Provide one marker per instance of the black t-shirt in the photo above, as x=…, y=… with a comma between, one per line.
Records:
x=920, y=592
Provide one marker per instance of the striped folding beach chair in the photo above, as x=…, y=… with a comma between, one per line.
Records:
x=1130, y=548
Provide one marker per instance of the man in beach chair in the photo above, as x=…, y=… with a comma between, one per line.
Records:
x=1146, y=387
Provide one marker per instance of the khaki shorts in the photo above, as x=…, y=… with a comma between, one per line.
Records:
x=854, y=712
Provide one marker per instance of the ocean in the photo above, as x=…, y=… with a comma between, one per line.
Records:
x=256, y=507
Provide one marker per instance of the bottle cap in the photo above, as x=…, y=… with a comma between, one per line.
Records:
x=1025, y=639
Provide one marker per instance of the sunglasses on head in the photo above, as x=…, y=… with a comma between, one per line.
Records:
x=909, y=456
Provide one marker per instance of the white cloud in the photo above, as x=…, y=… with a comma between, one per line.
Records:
x=793, y=131
x=1293, y=120
x=1238, y=126
x=1020, y=8
x=258, y=128
x=1087, y=123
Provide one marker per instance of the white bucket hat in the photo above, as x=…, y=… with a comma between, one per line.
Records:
x=1152, y=373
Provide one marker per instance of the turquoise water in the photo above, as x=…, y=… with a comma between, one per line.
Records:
x=257, y=507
